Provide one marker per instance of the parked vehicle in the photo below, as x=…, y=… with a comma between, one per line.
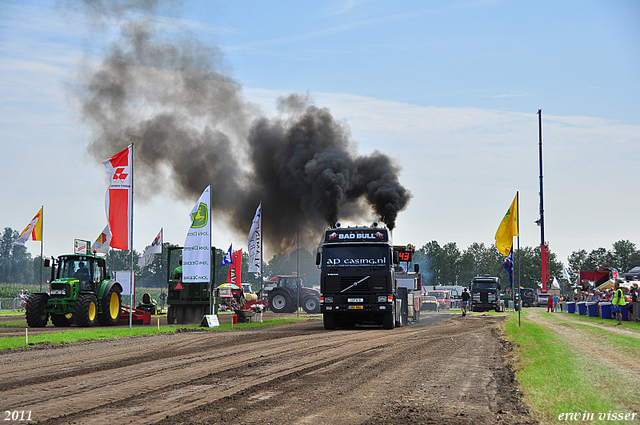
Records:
x=430, y=303
x=443, y=296
x=286, y=294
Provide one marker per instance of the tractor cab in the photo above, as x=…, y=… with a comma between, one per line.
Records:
x=88, y=270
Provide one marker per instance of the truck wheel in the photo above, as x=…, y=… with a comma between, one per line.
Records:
x=111, y=303
x=311, y=305
x=36, y=317
x=280, y=302
x=62, y=320
x=170, y=315
x=388, y=321
x=329, y=321
x=86, y=310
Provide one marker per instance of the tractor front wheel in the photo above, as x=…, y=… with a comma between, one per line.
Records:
x=62, y=320
x=111, y=303
x=86, y=310
x=311, y=304
x=36, y=317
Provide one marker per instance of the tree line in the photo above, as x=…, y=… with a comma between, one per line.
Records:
x=448, y=265
x=439, y=265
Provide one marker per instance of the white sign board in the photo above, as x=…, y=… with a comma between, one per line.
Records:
x=210, y=321
x=81, y=247
x=123, y=277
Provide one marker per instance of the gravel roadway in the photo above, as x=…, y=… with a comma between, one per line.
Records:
x=445, y=370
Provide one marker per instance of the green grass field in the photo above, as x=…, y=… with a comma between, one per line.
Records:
x=84, y=334
x=563, y=376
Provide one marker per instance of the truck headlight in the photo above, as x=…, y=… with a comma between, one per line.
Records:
x=328, y=300
x=382, y=298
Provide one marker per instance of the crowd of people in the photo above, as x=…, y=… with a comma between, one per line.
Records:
x=618, y=295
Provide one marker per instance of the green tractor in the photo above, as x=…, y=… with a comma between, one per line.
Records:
x=81, y=291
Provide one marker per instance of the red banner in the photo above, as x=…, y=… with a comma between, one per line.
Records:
x=235, y=269
x=118, y=199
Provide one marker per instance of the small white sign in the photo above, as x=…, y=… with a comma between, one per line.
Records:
x=81, y=247
x=210, y=321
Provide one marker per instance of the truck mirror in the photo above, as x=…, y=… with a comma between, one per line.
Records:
x=396, y=258
x=416, y=268
x=318, y=258
x=47, y=262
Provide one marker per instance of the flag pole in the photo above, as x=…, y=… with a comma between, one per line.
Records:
x=132, y=287
x=41, y=248
x=261, y=249
x=518, y=228
x=212, y=259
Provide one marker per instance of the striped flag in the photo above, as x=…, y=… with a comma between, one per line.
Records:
x=33, y=230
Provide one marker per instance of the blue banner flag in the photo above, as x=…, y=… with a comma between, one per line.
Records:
x=508, y=266
x=227, y=257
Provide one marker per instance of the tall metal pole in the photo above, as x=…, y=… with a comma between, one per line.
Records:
x=132, y=286
x=540, y=158
x=543, y=251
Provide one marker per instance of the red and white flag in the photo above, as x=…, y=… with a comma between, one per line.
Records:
x=118, y=199
x=154, y=248
x=101, y=244
x=235, y=270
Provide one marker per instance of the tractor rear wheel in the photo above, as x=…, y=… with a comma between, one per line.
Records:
x=62, y=320
x=111, y=303
x=86, y=310
x=36, y=317
x=170, y=315
x=311, y=304
x=280, y=301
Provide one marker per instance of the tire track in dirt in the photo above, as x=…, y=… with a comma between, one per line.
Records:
x=287, y=374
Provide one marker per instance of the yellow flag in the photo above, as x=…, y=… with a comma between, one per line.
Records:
x=508, y=229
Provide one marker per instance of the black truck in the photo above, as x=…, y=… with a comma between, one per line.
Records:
x=357, y=277
x=485, y=294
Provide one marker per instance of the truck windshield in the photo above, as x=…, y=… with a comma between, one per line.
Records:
x=356, y=256
x=484, y=285
x=438, y=295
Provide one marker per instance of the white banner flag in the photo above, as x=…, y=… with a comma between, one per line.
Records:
x=255, y=243
x=155, y=248
x=101, y=245
x=565, y=273
x=555, y=282
x=196, y=255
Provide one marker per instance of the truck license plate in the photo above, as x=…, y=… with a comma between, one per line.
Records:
x=355, y=300
x=355, y=307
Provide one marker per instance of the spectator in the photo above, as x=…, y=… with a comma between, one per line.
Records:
x=465, y=301
x=618, y=302
x=556, y=300
x=550, y=304
x=163, y=299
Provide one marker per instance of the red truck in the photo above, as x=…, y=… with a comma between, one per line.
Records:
x=443, y=296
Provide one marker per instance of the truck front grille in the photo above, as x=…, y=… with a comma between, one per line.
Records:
x=337, y=284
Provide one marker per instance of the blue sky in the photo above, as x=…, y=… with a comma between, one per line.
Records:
x=448, y=89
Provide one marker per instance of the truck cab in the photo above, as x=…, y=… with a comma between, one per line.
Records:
x=485, y=294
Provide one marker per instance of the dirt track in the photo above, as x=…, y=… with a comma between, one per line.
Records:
x=447, y=370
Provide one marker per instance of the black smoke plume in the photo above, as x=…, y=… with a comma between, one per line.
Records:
x=191, y=124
